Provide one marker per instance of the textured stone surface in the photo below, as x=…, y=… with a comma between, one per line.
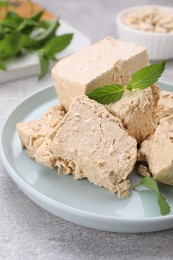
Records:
x=27, y=231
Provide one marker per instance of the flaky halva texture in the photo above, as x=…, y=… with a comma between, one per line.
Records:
x=165, y=104
x=36, y=136
x=91, y=143
x=136, y=110
x=157, y=151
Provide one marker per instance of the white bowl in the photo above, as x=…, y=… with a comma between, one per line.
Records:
x=159, y=45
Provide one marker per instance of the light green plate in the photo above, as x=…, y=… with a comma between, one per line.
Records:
x=77, y=201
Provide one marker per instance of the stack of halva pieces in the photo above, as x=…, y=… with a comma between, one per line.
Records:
x=97, y=142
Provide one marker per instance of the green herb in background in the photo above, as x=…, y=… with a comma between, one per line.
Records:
x=53, y=46
x=141, y=79
x=152, y=184
x=18, y=35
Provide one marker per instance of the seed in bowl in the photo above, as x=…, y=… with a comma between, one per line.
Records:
x=150, y=19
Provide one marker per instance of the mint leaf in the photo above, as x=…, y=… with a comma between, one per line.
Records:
x=44, y=24
x=28, y=43
x=149, y=183
x=7, y=23
x=18, y=34
x=44, y=64
x=14, y=17
x=164, y=206
x=146, y=76
x=141, y=79
x=152, y=184
x=27, y=24
x=36, y=17
x=9, y=45
x=107, y=94
x=57, y=44
x=2, y=65
x=49, y=33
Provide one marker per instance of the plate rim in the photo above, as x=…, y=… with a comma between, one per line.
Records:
x=59, y=205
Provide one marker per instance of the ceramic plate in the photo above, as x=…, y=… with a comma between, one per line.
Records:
x=28, y=65
x=77, y=201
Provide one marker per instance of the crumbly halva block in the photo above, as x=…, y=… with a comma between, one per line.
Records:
x=165, y=104
x=157, y=150
x=35, y=136
x=106, y=62
x=91, y=143
x=136, y=110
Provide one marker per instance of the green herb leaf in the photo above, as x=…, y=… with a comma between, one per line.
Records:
x=57, y=44
x=45, y=24
x=28, y=43
x=107, y=94
x=36, y=17
x=27, y=23
x=15, y=37
x=2, y=35
x=2, y=65
x=146, y=76
x=44, y=64
x=9, y=45
x=49, y=33
x=7, y=23
x=142, y=79
x=13, y=16
x=152, y=184
x=52, y=57
x=12, y=44
x=163, y=204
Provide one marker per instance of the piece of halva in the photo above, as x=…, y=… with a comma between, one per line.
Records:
x=136, y=110
x=165, y=104
x=157, y=150
x=91, y=143
x=35, y=136
x=106, y=62
x=143, y=170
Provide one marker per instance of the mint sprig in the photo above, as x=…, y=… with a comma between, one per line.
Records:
x=141, y=79
x=152, y=184
x=147, y=76
x=107, y=94
x=18, y=35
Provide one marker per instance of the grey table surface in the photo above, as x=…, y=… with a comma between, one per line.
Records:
x=29, y=232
